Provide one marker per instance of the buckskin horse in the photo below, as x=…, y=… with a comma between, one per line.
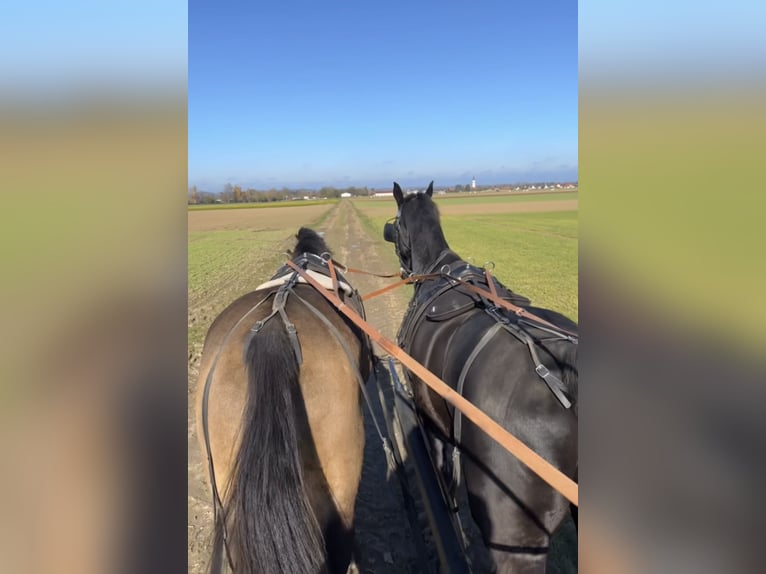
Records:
x=520, y=369
x=279, y=416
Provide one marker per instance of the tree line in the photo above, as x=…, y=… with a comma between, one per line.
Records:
x=236, y=194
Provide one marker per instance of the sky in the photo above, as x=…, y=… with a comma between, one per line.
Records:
x=52, y=48
x=307, y=94
x=671, y=44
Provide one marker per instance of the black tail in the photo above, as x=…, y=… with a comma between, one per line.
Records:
x=270, y=524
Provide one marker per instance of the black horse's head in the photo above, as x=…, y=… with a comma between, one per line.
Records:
x=309, y=241
x=415, y=231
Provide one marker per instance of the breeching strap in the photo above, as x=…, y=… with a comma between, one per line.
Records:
x=546, y=471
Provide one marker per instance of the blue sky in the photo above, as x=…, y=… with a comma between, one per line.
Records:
x=308, y=94
x=671, y=44
x=51, y=47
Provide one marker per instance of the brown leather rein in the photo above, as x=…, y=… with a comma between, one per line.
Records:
x=545, y=470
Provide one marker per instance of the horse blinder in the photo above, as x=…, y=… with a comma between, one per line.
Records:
x=389, y=232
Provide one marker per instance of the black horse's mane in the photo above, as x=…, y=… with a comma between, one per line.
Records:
x=309, y=241
x=426, y=225
x=429, y=212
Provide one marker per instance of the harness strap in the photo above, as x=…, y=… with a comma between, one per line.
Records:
x=556, y=334
x=346, y=268
x=278, y=307
x=458, y=419
x=520, y=311
x=440, y=258
x=410, y=279
x=292, y=333
x=552, y=381
x=333, y=276
x=490, y=283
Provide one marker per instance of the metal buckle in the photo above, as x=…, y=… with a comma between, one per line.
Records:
x=542, y=370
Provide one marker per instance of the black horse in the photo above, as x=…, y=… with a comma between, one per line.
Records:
x=521, y=372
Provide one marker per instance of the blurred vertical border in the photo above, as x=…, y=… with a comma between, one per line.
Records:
x=93, y=170
x=672, y=283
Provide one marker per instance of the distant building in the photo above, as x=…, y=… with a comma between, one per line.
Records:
x=473, y=182
x=345, y=194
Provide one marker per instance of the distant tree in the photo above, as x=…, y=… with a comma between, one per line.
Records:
x=193, y=195
x=459, y=188
x=227, y=194
x=206, y=197
x=239, y=197
x=329, y=192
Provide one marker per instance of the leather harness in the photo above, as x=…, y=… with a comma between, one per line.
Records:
x=450, y=297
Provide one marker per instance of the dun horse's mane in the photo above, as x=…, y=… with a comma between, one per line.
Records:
x=309, y=241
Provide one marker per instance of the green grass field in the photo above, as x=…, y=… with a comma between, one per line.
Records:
x=463, y=199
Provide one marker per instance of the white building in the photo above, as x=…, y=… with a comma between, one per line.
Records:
x=473, y=183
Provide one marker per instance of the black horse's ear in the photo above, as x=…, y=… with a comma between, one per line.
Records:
x=430, y=190
x=398, y=194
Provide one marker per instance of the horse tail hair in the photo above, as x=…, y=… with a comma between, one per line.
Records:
x=271, y=525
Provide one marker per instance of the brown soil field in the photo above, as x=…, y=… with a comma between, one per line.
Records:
x=255, y=218
x=383, y=534
x=484, y=207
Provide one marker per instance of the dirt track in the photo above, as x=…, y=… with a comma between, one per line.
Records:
x=384, y=539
